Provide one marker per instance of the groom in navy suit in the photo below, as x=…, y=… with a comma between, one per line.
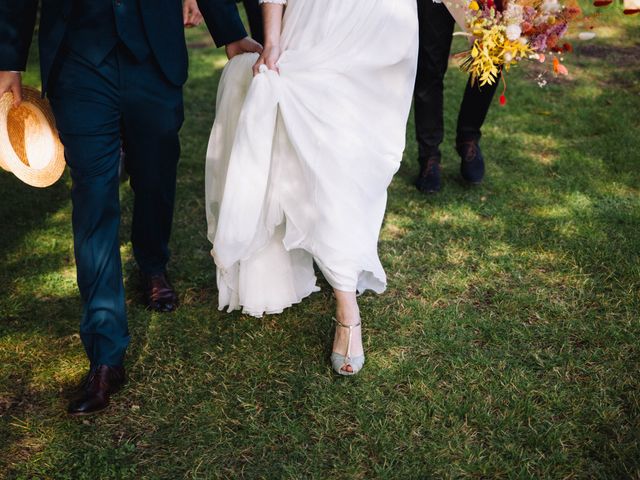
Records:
x=113, y=71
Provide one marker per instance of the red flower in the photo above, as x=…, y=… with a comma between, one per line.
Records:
x=572, y=12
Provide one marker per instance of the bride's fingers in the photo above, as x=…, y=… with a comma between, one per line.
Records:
x=257, y=65
x=272, y=64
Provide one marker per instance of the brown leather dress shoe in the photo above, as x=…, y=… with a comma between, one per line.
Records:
x=159, y=294
x=97, y=387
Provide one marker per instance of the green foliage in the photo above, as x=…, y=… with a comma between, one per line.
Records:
x=507, y=345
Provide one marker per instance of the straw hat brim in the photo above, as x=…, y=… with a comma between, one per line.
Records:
x=29, y=144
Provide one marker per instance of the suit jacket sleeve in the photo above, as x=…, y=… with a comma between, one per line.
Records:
x=223, y=20
x=17, y=21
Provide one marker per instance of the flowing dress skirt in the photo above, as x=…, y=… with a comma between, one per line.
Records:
x=299, y=162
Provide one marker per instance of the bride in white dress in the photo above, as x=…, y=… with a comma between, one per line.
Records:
x=306, y=140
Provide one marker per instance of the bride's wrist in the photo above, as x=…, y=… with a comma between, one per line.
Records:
x=268, y=44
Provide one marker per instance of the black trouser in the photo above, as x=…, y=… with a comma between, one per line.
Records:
x=436, y=33
x=254, y=15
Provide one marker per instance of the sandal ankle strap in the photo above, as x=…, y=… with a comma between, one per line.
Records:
x=347, y=326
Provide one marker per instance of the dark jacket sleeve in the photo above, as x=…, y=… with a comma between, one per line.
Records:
x=17, y=21
x=223, y=20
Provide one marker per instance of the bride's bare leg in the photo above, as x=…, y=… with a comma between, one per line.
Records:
x=347, y=313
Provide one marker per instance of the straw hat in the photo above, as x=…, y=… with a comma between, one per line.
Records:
x=29, y=143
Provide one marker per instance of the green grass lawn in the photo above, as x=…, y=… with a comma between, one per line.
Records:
x=507, y=344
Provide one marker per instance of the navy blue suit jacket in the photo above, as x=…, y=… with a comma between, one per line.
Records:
x=162, y=20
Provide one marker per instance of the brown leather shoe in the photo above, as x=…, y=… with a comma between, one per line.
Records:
x=97, y=387
x=159, y=294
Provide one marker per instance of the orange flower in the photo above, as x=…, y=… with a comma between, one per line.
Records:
x=559, y=68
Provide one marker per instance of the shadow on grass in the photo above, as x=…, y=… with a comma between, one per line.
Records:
x=40, y=350
x=569, y=190
x=505, y=345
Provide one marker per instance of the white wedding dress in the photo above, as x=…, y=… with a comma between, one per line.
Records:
x=299, y=162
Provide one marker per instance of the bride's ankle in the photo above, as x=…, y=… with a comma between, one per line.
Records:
x=347, y=338
x=348, y=315
x=347, y=310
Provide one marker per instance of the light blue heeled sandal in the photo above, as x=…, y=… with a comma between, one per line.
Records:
x=339, y=361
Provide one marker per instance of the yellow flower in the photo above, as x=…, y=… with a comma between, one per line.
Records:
x=474, y=5
x=490, y=50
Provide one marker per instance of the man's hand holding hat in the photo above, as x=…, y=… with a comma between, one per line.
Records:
x=11, y=82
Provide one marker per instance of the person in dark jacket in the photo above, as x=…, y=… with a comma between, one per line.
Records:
x=113, y=71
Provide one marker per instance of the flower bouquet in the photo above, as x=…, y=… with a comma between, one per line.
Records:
x=505, y=33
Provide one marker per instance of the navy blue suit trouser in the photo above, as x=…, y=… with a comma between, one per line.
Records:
x=97, y=108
